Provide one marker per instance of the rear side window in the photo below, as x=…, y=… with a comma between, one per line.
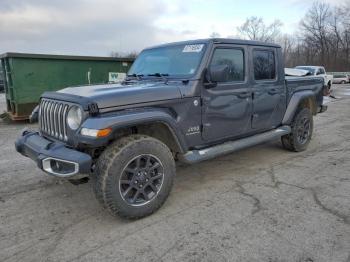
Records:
x=264, y=65
x=234, y=58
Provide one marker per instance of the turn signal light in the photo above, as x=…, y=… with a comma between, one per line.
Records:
x=104, y=132
x=96, y=132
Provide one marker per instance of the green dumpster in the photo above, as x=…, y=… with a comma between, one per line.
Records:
x=27, y=76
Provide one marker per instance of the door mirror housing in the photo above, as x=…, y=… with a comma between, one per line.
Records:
x=217, y=73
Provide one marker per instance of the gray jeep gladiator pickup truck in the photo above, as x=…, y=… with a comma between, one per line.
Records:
x=186, y=101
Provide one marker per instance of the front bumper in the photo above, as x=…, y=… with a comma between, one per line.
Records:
x=53, y=157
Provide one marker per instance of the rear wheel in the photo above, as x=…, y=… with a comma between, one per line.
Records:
x=134, y=176
x=343, y=82
x=302, y=128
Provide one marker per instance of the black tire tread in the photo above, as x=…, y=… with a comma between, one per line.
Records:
x=105, y=162
x=288, y=141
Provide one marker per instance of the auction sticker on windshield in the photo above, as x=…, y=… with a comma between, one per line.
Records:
x=193, y=48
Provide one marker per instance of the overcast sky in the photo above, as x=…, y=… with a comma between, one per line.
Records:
x=97, y=27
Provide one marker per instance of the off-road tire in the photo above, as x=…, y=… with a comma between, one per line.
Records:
x=291, y=141
x=109, y=169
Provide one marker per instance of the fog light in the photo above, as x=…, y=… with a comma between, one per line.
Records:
x=95, y=132
x=60, y=167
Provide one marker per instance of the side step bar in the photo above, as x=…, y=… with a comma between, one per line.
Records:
x=228, y=147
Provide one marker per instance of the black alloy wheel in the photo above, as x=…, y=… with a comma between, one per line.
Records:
x=303, y=130
x=141, y=180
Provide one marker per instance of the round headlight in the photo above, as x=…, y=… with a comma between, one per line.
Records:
x=74, y=118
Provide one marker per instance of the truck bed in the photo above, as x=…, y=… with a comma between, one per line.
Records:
x=295, y=84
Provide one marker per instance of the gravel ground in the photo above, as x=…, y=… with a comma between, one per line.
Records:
x=259, y=204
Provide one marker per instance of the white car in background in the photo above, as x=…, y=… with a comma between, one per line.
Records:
x=340, y=79
x=319, y=71
x=295, y=72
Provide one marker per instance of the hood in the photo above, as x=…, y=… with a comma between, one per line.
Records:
x=112, y=95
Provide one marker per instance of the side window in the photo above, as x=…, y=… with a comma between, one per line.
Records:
x=264, y=65
x=234, y=58
x=322, y=71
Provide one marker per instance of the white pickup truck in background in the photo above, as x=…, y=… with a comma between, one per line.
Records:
x=319, y=71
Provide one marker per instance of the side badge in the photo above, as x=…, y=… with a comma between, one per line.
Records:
x=193, y=130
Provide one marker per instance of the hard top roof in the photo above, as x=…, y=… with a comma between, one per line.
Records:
x=219, y=41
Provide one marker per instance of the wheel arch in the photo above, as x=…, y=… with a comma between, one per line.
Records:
x=159, y=124
x=162, y=131
x=303, y=99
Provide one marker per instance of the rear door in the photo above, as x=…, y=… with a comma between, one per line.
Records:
x=226, y=109
x=268, y=87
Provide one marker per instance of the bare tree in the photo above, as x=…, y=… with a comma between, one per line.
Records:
x=335, y=38
x=124, y=55
x=325, y=36
x=345, y=33
x=316, y=26
x=214, y=35
x=254, y=28
x=114, y=54
x=288, y=43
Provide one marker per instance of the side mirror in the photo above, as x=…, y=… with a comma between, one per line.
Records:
x=217, y=73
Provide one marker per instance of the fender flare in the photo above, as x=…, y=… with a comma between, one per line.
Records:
x=294, y=103
x=130, y=118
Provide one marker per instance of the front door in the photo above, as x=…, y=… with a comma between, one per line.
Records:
x=227, y=107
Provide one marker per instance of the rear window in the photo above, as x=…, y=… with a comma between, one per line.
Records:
x=264, y=65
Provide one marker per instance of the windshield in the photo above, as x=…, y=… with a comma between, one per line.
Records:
x=310, y=69
x=176, y=60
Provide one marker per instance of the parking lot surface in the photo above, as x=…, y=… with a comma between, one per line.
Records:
x=259, y=204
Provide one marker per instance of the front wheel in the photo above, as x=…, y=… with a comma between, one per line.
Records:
x=134, y=176
x=302, y=129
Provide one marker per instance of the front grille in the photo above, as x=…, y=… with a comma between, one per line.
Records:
x=52, y=118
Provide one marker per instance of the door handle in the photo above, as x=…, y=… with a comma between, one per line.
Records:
x=273, y=91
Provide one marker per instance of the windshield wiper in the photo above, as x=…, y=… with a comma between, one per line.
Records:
x=131, y=77
x=163, y=76
x=138, y=76
x=158, y=74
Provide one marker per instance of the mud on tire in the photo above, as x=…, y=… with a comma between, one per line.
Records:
x=302, y=129
x=134, y=176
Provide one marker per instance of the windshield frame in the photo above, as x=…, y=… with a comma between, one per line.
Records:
x=170, y=76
